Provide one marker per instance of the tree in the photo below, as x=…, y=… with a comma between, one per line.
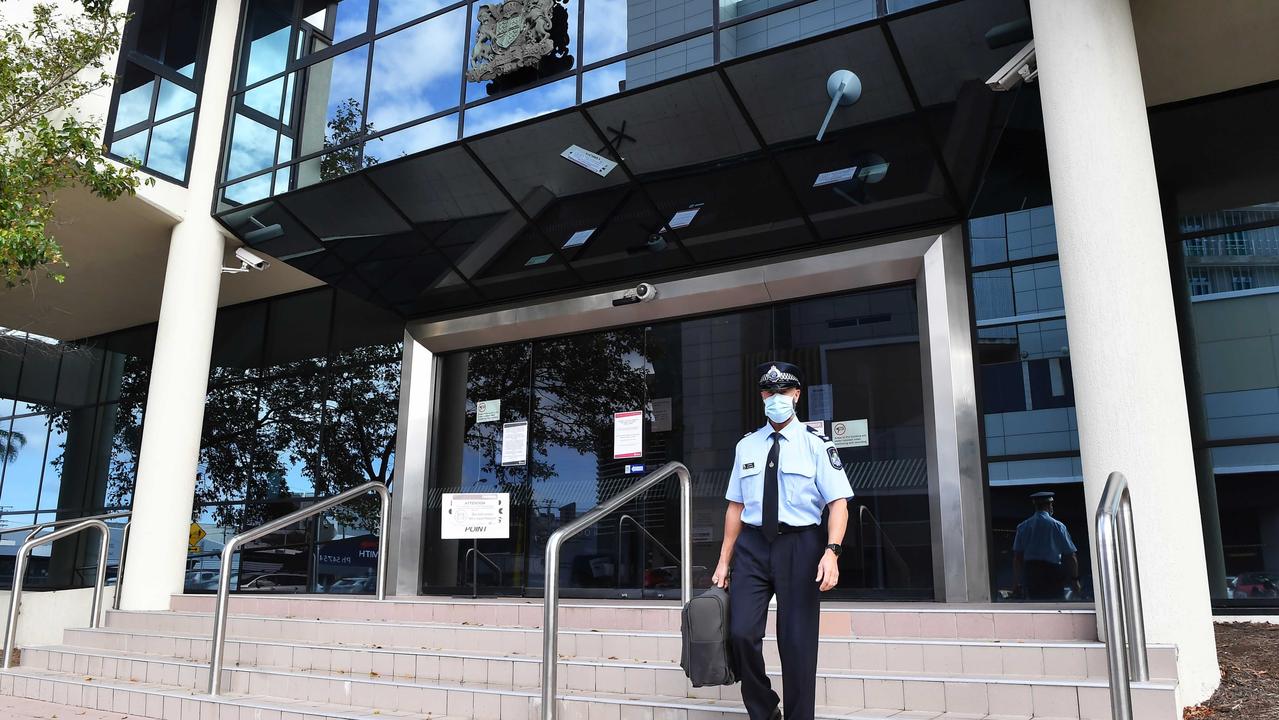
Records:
x=47, y=65
x=343, y=129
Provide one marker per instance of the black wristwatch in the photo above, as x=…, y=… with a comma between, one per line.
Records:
x=836, y=548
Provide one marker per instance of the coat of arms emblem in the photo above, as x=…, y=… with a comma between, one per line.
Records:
x=519, y=35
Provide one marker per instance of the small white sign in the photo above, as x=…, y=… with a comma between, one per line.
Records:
x=850, y=433
x=634, y=469
x=821, y=402
x=488, y=411
x=594, y=162
x=628, y=435
x=683, y=218
x=661, y=414
x=537, y=260
x=835, y=176
x=469, y=516
x=579, y=238
x=818, y=425
x=515, y=443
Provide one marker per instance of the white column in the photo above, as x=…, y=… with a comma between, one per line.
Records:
x=1129, y=388
x=165, y=490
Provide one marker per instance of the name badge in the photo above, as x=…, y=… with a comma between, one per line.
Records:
x=748, y=466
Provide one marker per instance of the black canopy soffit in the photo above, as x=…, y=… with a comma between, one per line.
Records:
x=715, y=166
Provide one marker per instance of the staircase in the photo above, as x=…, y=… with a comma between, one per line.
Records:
x=294, y=657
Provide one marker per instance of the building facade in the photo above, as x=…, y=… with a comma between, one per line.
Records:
x=998, y=291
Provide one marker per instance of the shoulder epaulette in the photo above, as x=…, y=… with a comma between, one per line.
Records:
x=813, y=430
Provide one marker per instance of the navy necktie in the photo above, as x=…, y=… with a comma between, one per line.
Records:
x=770, y=489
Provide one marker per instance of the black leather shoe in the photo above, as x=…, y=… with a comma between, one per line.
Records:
x=777, y=714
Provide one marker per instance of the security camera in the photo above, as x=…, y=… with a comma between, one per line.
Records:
x=1021, y=68
x=248, y=261
x=642, y=293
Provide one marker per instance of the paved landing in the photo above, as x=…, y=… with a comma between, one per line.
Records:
x=13, y=708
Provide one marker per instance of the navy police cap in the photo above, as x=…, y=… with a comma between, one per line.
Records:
x=776, y=375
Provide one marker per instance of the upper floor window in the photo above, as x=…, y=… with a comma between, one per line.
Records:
x=158, y=85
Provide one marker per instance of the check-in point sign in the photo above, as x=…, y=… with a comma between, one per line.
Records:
x=475, y=516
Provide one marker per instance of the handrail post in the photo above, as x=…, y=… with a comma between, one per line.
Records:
x=551, y=603
x=1136, y=624
x=220, y=610
x=119, y=571
x=20, y=570
x=1121, y=608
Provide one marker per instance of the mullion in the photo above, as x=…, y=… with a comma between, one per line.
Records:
x=146, y=62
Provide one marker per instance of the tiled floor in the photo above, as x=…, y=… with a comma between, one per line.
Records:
x=12, y=708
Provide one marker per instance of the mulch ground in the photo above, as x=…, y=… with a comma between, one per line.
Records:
x=1249, y=657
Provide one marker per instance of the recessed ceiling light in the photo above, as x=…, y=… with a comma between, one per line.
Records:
x=579, y=238
x=537, y=260
x=835, y=176
x=683, y=218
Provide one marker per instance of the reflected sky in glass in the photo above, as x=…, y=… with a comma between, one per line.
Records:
x=134, y=146
x=169, y=144
x=173, y=100
x=26, y=440
x=603, y=81
x=266, y=98
x=250, y=190
x=267, y=56
x=252, y=147
x=513, y=109
x=134, y=106
x=413, y=139
x=342, y=79
x=417, y=71
x=391, y=13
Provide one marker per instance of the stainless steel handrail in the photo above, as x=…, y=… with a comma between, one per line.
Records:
x=20, y=569
x=1120, y=595
x=124, y=542
x=551, y=604
x=228, y=552
x=884, y=543
x=475, y=569
x=639, y=526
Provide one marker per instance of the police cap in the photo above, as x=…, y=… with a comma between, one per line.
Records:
x=777, y=375
x=1042, y=497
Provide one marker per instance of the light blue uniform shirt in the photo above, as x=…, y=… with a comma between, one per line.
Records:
x=809, y=476
x=1044, y=538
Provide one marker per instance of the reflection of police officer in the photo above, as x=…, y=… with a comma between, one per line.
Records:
x=784, y=475
x=1040, y=549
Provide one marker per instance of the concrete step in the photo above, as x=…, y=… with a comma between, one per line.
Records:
x=1053, y=659
x=929, y=620
x=154, y=700
x=403, y=688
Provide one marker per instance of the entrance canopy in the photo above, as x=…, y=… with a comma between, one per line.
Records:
x=716, y=166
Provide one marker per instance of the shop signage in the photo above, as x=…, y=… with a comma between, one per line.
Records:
x=467, y=516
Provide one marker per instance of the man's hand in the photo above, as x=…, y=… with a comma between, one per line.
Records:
x=720, y=578
x=828, y=571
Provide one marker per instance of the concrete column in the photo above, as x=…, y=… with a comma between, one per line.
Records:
x=1129, y=388
x=412, y=466
x=165, y=490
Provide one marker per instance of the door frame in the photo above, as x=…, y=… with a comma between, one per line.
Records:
x=933, y=260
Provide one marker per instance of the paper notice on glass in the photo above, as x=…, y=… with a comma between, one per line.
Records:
x=488, y=411
x=850, y=433
x=469, y=516
x=820, y=402
x=582, y=157
x=628, y=435
x=661, y=414
x=515, y=443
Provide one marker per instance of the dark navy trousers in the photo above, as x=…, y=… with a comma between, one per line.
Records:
x=785, y=568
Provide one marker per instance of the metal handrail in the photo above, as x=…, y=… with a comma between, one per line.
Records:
x=639, y=526
x=124, y=542
x=20, y=569
x=475, y=569
x=551, y=603
x=1120, y=595
x=228, y=552
x=884, y=543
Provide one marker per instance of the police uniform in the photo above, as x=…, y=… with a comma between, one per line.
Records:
x=780, y=555
x=1043, y=542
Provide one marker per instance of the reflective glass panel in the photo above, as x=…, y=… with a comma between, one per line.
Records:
x=523, y=106
x=134, y=103
x=413, y=139
x=247, y=191
x=268, y=35
x=173, y=99
x=1035, y=571
x=667, y=62
x=613, y=27
x=391, y=13
x=334, y=101
x=170, y=142
x=266, y=98
x=417, y=72
x=1027, y=390
x=332, y=22
x=561, y=59
x=24, y=444
x=133, y=146
x=252, y=147
x=1259, y=213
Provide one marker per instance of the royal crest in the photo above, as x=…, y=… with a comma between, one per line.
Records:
x=513, y=35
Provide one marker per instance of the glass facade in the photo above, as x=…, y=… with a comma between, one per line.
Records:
x=694, y=381
x=302, y=403
x=1230, y=270
x=325, y=89
x=159, y=78
x=1026, y=391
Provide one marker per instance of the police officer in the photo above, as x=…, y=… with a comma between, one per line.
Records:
x=1042, y=551
x=784, y=475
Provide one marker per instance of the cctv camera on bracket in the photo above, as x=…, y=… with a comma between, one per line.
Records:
x=1021, y=68
x=248, y=261
x=644, y=292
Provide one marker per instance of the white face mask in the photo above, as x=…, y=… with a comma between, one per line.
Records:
x=779, y=408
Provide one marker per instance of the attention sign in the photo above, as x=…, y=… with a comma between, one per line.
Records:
x=468, y=516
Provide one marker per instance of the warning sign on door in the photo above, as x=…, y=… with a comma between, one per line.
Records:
x=849, y=433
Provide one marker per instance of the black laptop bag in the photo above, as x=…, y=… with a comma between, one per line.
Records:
x=706, y=658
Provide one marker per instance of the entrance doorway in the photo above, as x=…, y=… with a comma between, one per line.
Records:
x=693, y=380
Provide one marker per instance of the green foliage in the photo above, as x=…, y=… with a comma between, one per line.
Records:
x=46, y=65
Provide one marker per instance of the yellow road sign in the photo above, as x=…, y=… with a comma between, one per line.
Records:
x=197, y=534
